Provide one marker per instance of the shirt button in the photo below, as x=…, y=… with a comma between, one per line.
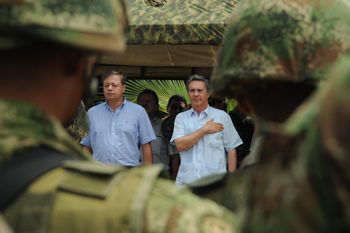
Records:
x=112, y=154
x=112, y=133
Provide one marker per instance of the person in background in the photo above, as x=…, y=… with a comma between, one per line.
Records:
x=148, y=99
x=204, y=136
x=118, y=128
x=245, y=128
x=176, y=104
x=218, y=103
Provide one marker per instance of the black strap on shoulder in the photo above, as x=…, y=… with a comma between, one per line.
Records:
x=23, y=168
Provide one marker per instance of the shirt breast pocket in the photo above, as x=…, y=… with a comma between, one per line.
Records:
x=128, y=127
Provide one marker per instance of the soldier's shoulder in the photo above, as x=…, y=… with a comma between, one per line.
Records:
x=136, y=199
x=179, y=210
x=83, y=196
x=116, y=194
x=219, y=187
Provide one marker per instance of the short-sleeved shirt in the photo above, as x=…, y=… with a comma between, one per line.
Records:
x=159, y=146
x=208, y=155
x=115, y=137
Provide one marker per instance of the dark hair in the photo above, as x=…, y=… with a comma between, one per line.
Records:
x=198, y=77
x=178, y=98
x=123, y=78
x=151, y=92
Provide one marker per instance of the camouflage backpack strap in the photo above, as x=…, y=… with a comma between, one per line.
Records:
x=25, y=167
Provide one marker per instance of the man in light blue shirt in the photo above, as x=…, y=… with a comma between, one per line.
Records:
x=118, y=127
x=204, y=136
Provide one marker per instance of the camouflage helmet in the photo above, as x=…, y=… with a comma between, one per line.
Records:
x=284, y=41
x=79, y=126
x=91, y=25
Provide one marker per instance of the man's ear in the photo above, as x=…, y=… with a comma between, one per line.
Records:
x=244, y=105
x=124, y=87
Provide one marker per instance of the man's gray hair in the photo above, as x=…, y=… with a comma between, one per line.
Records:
x=197, y=77
x=114, y=72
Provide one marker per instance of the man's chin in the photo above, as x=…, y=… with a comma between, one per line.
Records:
x=110, y=98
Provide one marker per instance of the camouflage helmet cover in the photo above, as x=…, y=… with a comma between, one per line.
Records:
x=278, y=40
x=92, y=25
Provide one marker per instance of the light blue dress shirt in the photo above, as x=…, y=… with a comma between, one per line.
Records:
x=208, y=156
x=115, y=137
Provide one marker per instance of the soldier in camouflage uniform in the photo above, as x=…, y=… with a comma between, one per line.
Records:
x=302, y=182
x=275, y=54
x=47, y=51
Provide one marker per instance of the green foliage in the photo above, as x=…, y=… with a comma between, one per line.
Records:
x=231, y=104
x=164, y=89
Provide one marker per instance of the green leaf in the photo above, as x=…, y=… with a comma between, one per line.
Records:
x=164, y=89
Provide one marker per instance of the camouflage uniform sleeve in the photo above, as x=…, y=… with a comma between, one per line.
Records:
x=171, y=209
x=291, y=189
x=272, y=203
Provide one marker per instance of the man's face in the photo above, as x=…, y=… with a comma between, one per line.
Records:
x=175, y=107
x=148, y=103
x=198, y=95
x=113, y=88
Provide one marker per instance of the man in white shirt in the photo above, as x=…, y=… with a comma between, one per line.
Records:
x=204, y=136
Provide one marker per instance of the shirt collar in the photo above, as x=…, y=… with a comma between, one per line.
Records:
x=205, y=110
x=120, y=107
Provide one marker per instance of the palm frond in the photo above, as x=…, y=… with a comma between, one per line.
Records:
x=164, y=89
